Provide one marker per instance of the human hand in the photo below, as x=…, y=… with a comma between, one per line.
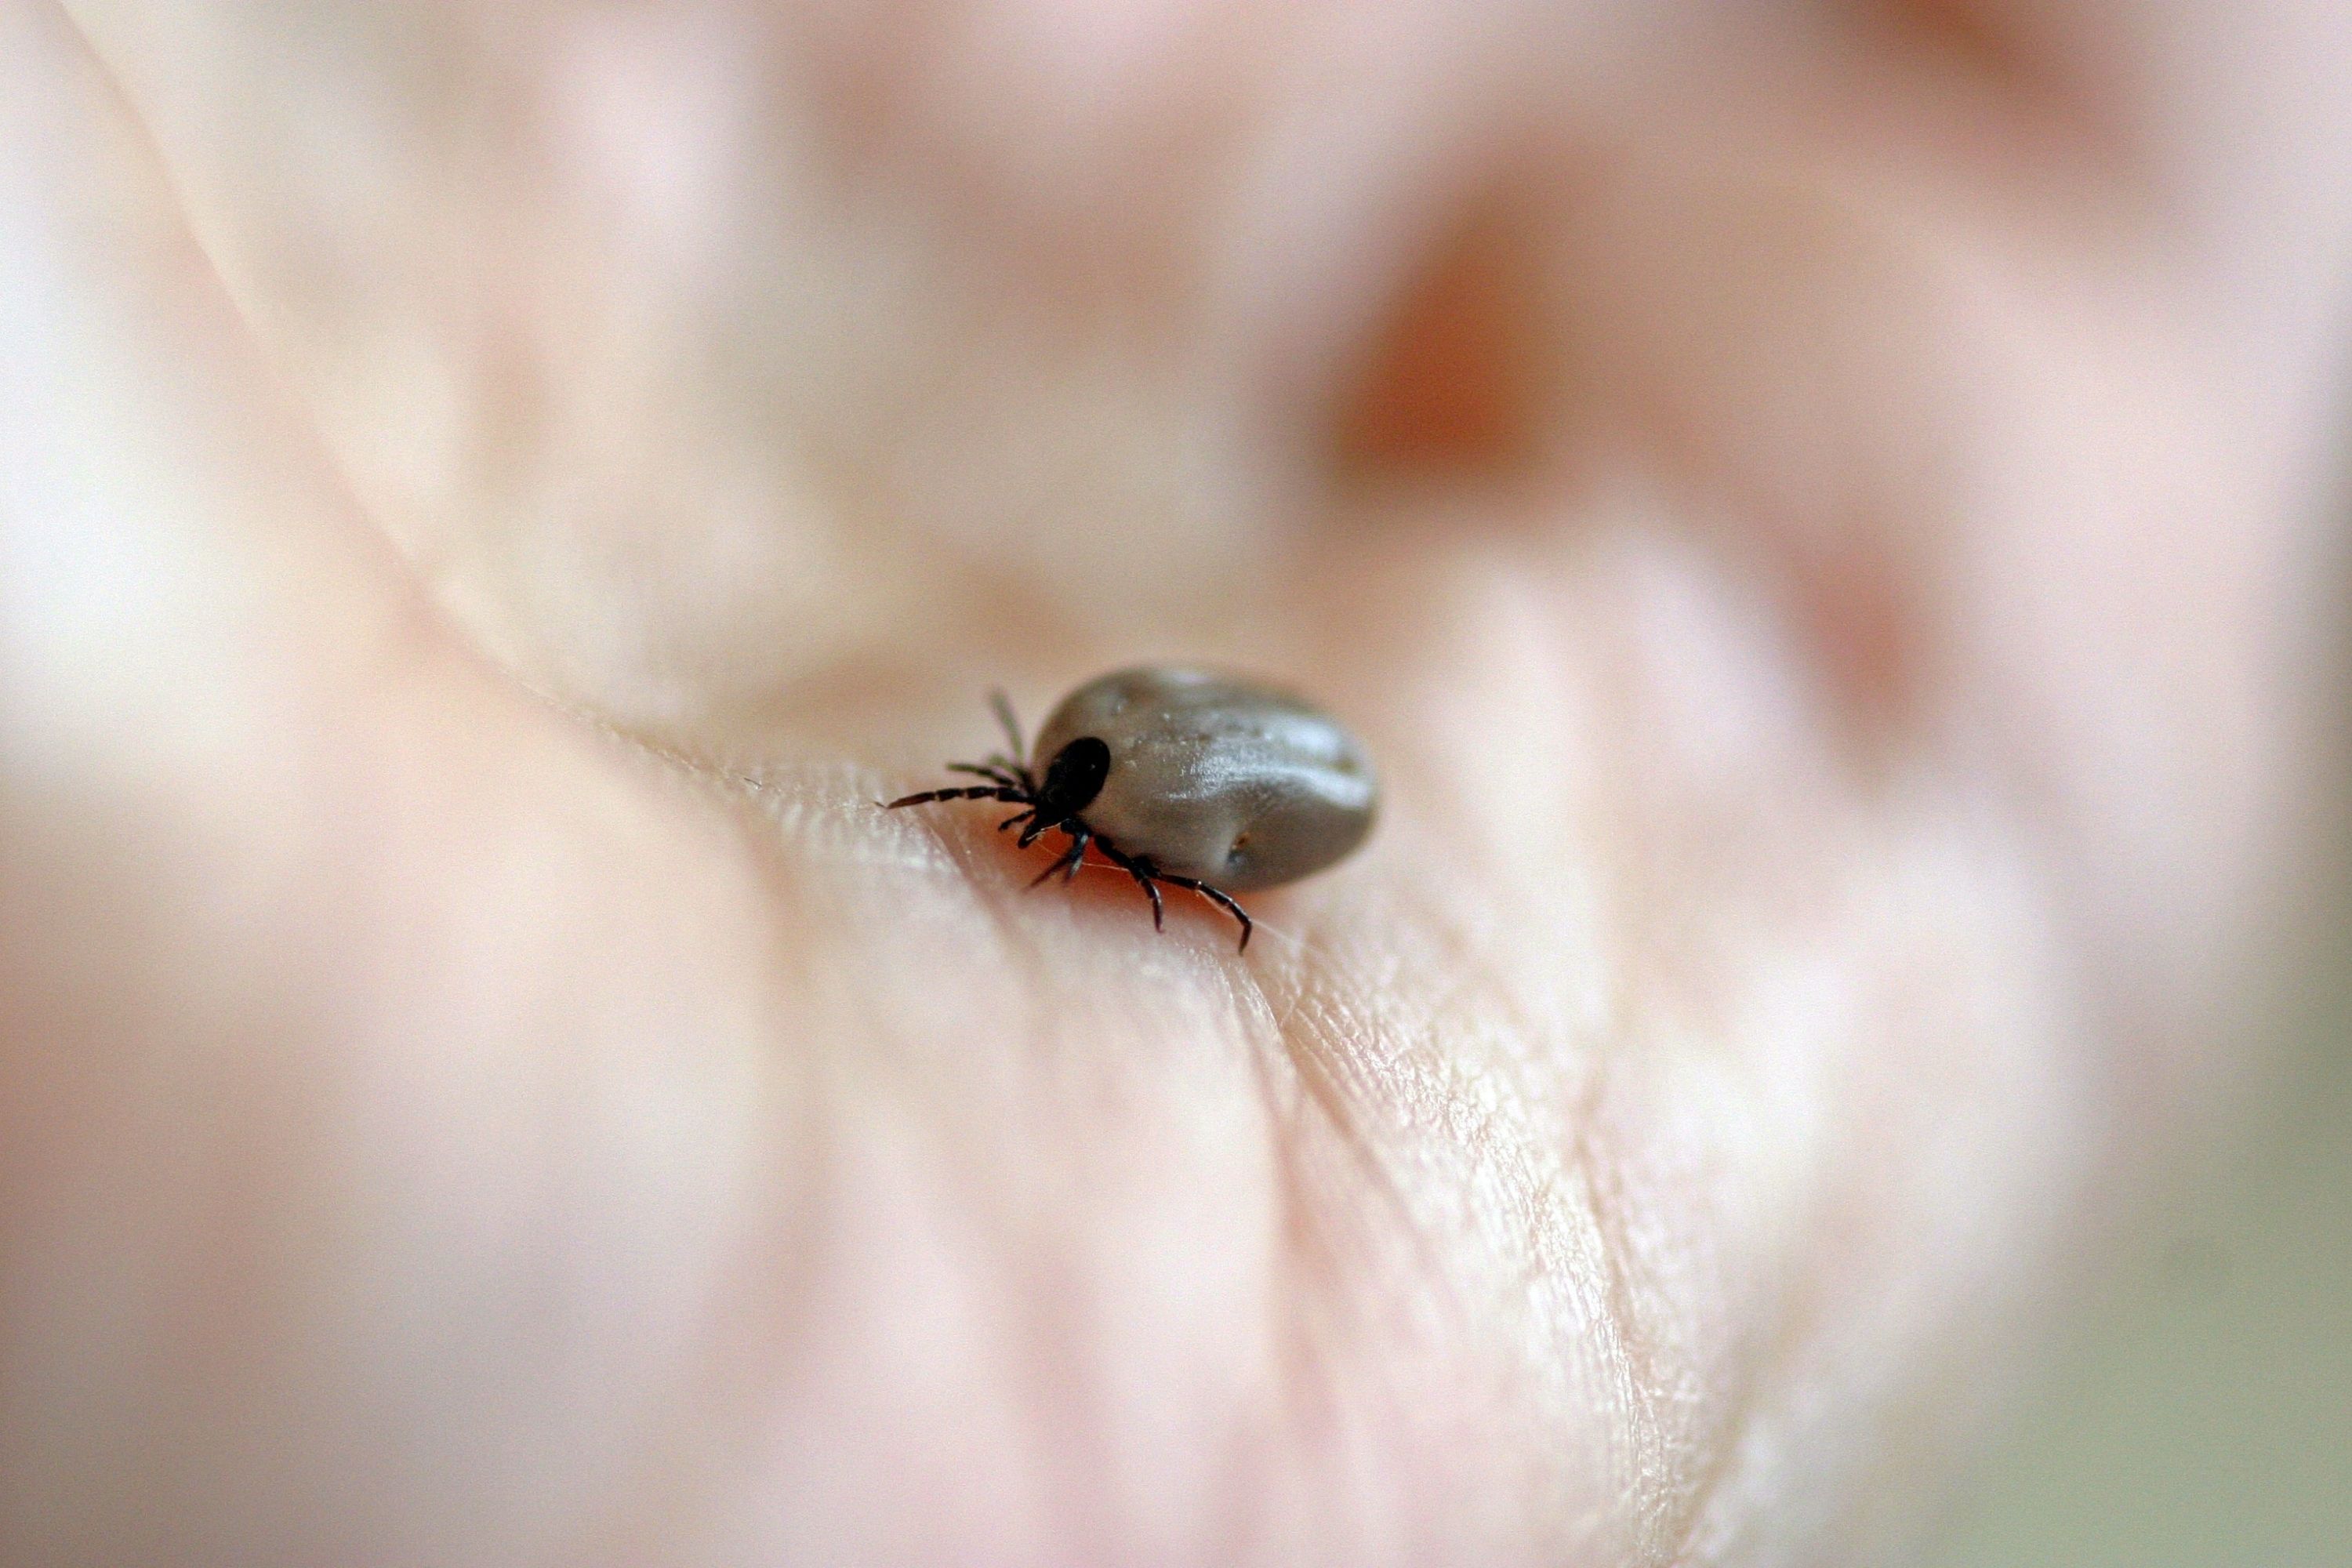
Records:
x=1808, y=510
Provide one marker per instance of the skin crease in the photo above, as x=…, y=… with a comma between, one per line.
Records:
x=1812, y=510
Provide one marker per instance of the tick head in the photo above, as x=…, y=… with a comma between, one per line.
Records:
x=1072, y=779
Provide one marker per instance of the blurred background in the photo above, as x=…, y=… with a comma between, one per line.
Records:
x=2200, y=1412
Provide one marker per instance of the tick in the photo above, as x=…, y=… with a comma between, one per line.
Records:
x=1183, y=777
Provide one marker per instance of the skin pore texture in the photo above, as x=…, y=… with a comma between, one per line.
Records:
x=1812, y=509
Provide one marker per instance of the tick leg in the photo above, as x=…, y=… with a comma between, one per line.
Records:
x=1068, y=862
x=1016, y=817
x=1012, y=767
x=986, y=771
x=1002, y=706
x=1141, y=871
x=975, y=792
x=1223, y=899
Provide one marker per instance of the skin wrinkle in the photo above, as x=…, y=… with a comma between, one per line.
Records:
x=1793, y=1321
x=1610, y=1313
x=1240, y=996
x=1643, y=1435
x=1319, y=1072
x=1310, y=1041
x=1314, y=1047
x=1762, y=1412
x=1605, y=1321
x=959, y=863
x=1303, y=1260
x=1794, y=1324
x=780, y=1269
x=370, y=656
x=1491, y=1137
x=1672, y=1521
x=1305, y=1271
x=661, y=1499
x=881, y=1077
x=1073, y=1430
x=1646, y=1436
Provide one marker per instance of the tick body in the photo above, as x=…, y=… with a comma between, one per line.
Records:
x=1184, y=778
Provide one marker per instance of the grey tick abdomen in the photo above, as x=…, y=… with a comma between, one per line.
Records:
x=1238, y=784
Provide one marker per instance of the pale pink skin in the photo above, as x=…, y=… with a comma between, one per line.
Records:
x=447, y=1114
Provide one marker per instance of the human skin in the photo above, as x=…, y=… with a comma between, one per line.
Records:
x=1814, y=514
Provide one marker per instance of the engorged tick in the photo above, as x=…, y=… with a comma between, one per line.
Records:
x=1199, y=780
